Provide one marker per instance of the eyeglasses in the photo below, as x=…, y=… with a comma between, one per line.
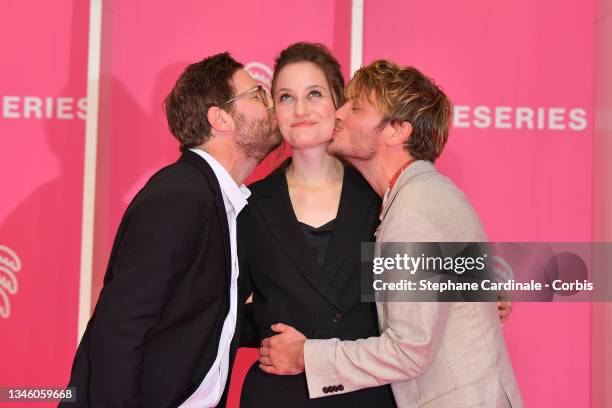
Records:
x=260, y=91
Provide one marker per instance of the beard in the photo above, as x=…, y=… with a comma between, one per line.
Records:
x=256, y=137
x=363, y=150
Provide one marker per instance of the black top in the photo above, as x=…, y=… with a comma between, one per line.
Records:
x=289, y=285
x=155, y=331
x=318, y=239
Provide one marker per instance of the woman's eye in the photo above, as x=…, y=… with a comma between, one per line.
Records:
x=284, y=97
x=314, y=94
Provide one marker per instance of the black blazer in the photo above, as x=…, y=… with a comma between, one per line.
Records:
x=289, y=287
x=155, y=330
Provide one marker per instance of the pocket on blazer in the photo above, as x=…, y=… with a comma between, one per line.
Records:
x=469, y=396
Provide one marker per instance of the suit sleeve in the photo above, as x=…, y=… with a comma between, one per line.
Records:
x=158, y=243
x=249, y=334
x=405, y=349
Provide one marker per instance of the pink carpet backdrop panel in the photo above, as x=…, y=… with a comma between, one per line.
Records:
x=520, y=76
x=42, y=133
x=146, y=45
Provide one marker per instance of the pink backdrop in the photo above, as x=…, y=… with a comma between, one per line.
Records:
x=527, y=184
x=42, y=86
x=527, y=169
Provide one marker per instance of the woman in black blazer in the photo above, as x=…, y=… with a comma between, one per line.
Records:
x=301, y=259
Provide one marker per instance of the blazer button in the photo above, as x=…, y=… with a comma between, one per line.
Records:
x=325, y=390
x=341, y=387
x=337, y=318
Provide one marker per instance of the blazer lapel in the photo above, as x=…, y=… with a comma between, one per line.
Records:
x=274, y=204
x=350, y=220
x=416, y=168
x=200, y=163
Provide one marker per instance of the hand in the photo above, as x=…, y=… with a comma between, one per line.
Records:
x=504, y=306
x=283, y=354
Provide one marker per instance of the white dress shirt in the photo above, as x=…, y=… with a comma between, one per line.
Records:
x=211, y=389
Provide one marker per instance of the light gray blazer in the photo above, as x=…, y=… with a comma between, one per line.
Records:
x=434, y=354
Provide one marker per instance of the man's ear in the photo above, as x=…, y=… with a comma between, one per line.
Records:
x=400, y=134
x=219, y=120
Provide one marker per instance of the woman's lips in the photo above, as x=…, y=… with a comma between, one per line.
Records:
x=305, y=123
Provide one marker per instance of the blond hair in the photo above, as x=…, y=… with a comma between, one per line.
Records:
x=404, y=94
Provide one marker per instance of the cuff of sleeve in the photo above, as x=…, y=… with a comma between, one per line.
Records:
x=320, y=373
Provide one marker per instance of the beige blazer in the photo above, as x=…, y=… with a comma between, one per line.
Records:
x=434, y=354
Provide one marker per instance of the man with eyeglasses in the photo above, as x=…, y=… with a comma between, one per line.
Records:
x=162, y=333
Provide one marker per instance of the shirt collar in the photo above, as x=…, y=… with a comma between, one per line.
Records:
x=233, y=194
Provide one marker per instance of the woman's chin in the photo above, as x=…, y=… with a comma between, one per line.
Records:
x=303, y=144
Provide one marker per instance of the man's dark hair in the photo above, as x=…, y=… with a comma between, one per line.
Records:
x=202, y=85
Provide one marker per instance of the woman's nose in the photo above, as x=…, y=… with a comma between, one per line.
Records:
x=301, y=107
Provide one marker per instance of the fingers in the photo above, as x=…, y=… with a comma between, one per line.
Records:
x=504, y=305
x=280, y=327
x=504, y=309
x=265, y=356
x=267, y=342
x=270, y=369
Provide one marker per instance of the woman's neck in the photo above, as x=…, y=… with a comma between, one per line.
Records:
x=314, y=167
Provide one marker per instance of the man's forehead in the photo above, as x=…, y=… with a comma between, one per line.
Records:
x=365, y=99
